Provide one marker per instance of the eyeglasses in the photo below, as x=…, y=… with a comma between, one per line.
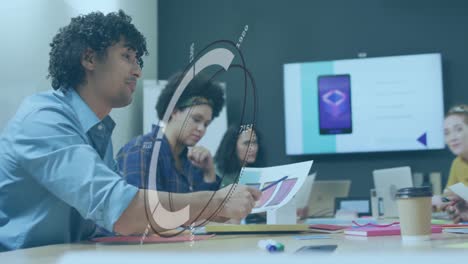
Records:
x=459, y=109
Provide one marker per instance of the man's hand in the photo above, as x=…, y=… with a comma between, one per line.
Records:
x=201, y=158
x=442, y=202
x=458, y=211
x=239, y=203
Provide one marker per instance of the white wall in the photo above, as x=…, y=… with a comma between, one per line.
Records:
x=28, y=26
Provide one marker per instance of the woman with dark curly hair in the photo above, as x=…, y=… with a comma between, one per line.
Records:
x=58, y=179
x=182, y=166
x=238, y=148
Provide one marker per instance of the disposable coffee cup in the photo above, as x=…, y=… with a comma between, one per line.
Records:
x=415, y=212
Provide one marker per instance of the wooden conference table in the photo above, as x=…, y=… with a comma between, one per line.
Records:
x=218, y=249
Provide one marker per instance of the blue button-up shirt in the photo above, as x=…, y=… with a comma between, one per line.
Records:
x=134, y=161
x=58, y=178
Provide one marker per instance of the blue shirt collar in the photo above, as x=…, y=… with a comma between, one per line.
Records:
x=88, y=119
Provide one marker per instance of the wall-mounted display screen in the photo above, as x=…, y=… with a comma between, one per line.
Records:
x=364, y=105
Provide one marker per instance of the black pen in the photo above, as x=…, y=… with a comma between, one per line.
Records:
x=274, y=183
x=445, y=199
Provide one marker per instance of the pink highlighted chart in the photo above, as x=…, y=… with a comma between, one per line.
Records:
x=266, y=195
x=285, y=188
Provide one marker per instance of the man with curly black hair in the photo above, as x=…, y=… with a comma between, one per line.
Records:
x=179, y=168
x=58, y=178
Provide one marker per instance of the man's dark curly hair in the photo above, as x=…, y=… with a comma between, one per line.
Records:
x=94, y=31
x=199, y=87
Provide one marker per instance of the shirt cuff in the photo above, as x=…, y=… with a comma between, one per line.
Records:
x=120, y=198
x=212, y=186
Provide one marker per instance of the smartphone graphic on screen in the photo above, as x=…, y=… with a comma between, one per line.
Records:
x=334, y=100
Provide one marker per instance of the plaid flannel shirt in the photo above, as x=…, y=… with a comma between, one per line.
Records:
x=134, y=161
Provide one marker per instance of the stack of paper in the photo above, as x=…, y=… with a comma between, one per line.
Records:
x=456, y=230
x=381, y=231
x=328, y=229
x=460, y=189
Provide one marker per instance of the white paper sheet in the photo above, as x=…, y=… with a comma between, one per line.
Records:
x=283, y=192
x=460, y=189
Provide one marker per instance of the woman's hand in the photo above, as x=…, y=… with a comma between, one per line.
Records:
x=201, y=158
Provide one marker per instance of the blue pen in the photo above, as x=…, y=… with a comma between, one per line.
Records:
x=273, y=184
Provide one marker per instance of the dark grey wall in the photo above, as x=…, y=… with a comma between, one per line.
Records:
x=310, y=30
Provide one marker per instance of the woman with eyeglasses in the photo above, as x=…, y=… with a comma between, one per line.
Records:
x=456, y=138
